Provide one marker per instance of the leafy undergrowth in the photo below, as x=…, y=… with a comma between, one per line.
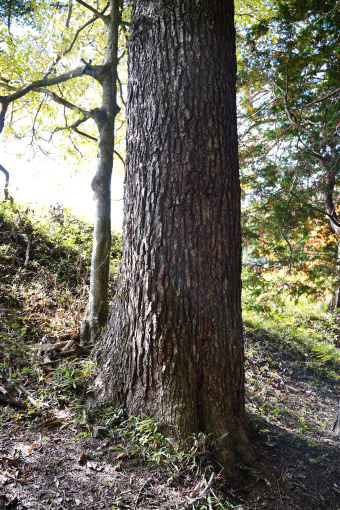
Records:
x=55, y=452
x=44, y=275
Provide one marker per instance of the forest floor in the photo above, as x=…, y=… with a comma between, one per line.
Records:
x=54, y=454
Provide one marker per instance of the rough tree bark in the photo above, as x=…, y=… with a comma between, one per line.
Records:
x=97, y=307
x=173, y=346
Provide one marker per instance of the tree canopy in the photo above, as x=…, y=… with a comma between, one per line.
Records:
x=56, y=111
x=289, y=91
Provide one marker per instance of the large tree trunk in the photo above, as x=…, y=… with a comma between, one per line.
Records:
x=97, y=308
x=173, y=347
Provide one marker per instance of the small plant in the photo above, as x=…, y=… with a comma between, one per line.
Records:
x=146, y=441
x=66, y=377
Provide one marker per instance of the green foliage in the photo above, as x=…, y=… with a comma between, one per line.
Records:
x=302, y=327
x=48, y=295
x=50, y=46
x=288, y=62
x=66, y=377
x=18, y=11
x=144, y=440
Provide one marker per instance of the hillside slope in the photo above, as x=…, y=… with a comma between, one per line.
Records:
x=55, y=454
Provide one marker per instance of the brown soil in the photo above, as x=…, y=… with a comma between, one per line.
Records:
x=297, y=463
x=47, y=462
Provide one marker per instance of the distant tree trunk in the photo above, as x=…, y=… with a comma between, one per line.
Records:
x=97, y=308
x=6, y=173
x=173, y=346
x=335, y=302
x=335, y=224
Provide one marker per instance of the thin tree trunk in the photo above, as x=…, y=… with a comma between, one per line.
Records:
x=97, y=308
x=335, y=302
x=335, y=224
x=6, y=173
x=173, y=347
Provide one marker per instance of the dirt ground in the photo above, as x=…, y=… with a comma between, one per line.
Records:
x=53, y=456
x=46, y=465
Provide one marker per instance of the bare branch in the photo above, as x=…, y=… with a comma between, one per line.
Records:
x=35, y=119
x=82, y=133
x=69, y=14
x=3, y=112
x=104, y=18
x=322, y=98
x=120, y=90
x=120, y=157
x=80, y=29
x=74, y=127
x=62, y=101
x=93, y=71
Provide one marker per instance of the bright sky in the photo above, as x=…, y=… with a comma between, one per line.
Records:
x=45, y=181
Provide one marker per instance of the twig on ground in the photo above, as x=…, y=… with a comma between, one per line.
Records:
x=191, y=501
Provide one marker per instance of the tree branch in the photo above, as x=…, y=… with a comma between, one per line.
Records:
x=120, y=90
x=63, y=102
x=104, y=18
x=322, y=98
x=3, y=112
x=69, y=14
x=80, y=29
x=120, y=157
x=93, y=71
x=330, y=213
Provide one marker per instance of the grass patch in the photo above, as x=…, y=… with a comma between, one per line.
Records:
x=307, y=331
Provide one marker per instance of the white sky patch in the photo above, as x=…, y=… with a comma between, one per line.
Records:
x=44, y=181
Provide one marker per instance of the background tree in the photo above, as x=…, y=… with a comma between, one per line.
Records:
x=289, y=101
x=173, y=346
x=6, y=174
x=17, y=11
x=24, y=85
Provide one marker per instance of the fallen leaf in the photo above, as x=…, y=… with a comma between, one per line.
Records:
x=22, y=480
x=57, y=501
x=321, y=497
x=119, y=465
x=289, y=486
x=51, y=423
x=268, y=443
x=121, y=455
x=82, y=458
x=195, y=492
x=284, y=479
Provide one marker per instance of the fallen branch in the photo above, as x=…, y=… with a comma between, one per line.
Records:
x=13, y=403
x=46, y=364
x=56, y=347
x=191, y=501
